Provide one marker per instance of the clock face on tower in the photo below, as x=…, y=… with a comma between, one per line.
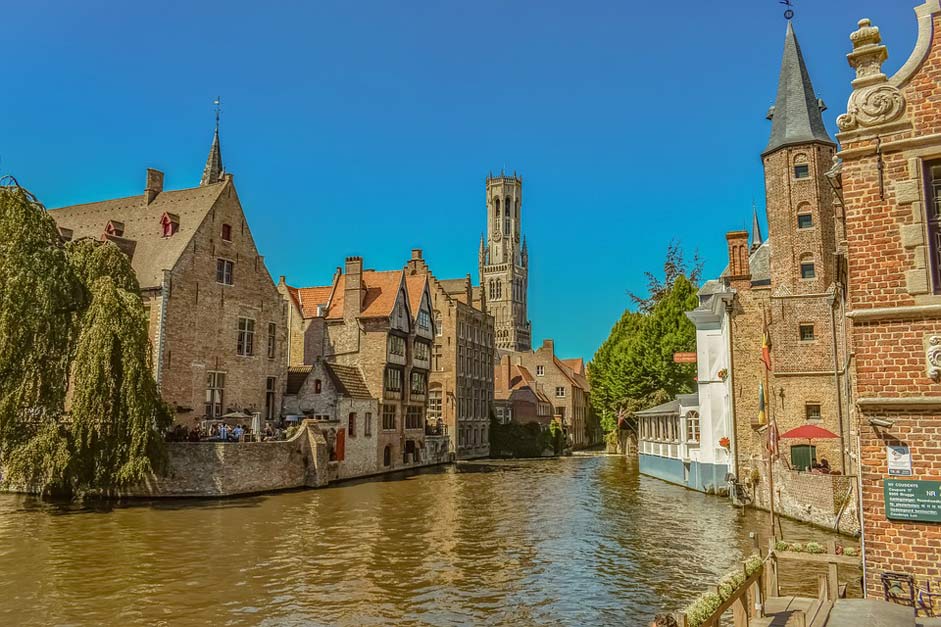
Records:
x=497, y=236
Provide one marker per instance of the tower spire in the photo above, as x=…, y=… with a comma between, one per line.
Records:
x=755, y=229
x=797, y=112
x=214, y=169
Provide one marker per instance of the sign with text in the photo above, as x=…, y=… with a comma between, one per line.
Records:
x=912, y=500
x=900, y=460
x=684, y=358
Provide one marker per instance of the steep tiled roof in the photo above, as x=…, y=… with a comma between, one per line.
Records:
x=382, y=289
x=349, y=380
x=153, y=253
x=296, y=377
x=576, y=378
x=575, y=365
x=309, y=298
x=415, y=284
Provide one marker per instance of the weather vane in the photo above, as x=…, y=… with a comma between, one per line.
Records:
x=789, y=12
x=218, y=103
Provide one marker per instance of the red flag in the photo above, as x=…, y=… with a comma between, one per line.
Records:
x=766, y=348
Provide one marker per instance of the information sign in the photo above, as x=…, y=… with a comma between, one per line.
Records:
x=912, y=500
x=900, y=460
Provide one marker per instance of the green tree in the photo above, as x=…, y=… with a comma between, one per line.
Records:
x=634, y=368
x=75, y=316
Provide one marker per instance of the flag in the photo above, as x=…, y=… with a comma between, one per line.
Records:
x=762, y=417
x=766, y=348
x=773, y=440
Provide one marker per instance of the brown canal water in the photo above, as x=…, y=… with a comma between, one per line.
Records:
x=577, y=541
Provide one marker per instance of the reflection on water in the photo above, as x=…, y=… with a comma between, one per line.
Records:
x=577, y=541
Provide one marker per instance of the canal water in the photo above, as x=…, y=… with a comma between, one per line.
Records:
x=575, y=541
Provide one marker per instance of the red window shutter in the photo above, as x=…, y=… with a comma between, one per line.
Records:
x=341, y=445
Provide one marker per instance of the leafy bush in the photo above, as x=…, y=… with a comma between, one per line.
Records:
x=851, y=551
x=781, y=545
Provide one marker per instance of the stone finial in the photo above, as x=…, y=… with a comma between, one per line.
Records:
x=868, y=55
x=874, y=101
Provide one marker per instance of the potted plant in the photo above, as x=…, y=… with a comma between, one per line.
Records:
x=724, y=442
x=723, y=374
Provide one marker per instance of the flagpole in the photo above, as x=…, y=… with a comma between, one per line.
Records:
x=772, y=425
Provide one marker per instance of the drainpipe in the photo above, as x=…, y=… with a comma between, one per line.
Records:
x=733, y=448
x=836, y=381
x=161, y=327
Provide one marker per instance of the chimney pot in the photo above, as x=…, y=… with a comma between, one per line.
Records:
x=154, y=184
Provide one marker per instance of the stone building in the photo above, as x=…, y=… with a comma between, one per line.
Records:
x=460, y=387
x=504, y=264
x=890, y=142
x=790, y=288
x=567, y=386
x=382, y=324
x=518, y=397
x=217, y=324
x=337, y=399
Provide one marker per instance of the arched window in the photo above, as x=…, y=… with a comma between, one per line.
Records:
x=499, y=289
x=692, y=426
x=496, y=208
x=801, y=167
x=805, y=216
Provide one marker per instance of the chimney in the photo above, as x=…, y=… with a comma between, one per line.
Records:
x=353, y=289
x=738, y=256
x=416, y=253
x=549, y=345
x=154, y=185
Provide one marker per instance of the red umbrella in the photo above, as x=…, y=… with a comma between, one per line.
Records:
x=809, y=432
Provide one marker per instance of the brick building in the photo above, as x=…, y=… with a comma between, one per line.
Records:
x=348, y=415
x=504, y=264
x=460, y=386
x=891, y=183
x=565, y=383
x=381, y=324
x=518, y=396
x=217, y=323
x=790, y=287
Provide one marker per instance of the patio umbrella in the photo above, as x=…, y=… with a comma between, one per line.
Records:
x=809, y=433
x=241, y=415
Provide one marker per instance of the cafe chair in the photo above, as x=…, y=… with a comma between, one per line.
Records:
x=899, y=588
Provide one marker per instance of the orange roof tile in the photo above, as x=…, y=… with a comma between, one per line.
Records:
x=309, y=298
x=575, y=365
x=415, y=284
x=382, y=290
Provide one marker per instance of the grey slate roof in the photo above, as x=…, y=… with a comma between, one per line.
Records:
x=796, y=115
x=152, y=253
x=759, y=263
x=673, y=407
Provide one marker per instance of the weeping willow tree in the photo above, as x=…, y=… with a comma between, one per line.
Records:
x=72, y=322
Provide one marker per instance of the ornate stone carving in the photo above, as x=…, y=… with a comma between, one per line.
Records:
x=872, y=106
x=874, y=102
x=933, y=356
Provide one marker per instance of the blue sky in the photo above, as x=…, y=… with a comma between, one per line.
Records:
x=369, y=127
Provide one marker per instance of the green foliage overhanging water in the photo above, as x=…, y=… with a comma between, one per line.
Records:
x=72, y=324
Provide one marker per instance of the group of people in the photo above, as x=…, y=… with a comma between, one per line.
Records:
x=822, y=467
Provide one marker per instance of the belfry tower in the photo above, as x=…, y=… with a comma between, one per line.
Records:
x=504, y=264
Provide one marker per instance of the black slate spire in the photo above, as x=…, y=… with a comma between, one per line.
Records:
x=796, y=114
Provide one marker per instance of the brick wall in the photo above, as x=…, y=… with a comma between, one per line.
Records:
x=893, y=305
x=201, y=330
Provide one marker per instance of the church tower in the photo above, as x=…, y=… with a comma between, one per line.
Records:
x=504, y=264
x=800, y=199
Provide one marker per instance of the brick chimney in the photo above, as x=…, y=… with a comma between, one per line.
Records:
x=353, y=290
x=416, y=264
x=549, y=345
x=738, y=256
x=154, y=185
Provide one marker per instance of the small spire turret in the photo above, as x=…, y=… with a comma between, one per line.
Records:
x=214, y=170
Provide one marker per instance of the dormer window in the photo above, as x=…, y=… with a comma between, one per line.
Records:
x=170, y=224
x=227, y=232
x=115, y=228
